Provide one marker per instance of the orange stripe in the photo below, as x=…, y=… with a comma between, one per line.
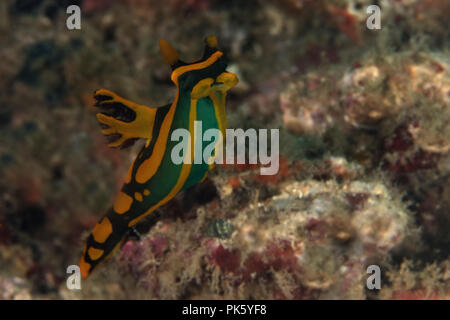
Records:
x=180, y=70
x=185, y=170
x=148, y=167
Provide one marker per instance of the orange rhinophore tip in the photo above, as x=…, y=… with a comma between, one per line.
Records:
x=211, y=41
x=169, y=54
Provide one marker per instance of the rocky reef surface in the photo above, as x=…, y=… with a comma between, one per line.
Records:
x=364, y=179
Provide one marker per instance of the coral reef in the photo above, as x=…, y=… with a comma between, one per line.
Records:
x=313, y=239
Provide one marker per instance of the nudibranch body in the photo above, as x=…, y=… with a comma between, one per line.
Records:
x=153, y=178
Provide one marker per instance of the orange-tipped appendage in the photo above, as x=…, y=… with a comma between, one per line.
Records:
x=169, y=54
x=211, y=41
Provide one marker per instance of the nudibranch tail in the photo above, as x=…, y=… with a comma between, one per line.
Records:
x=154, y=178
x=104, y=239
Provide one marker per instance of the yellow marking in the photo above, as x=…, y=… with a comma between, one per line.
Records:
x=138, y=196
x=185, y=170
x=202, y=88
x=94, y=253
x=102, y=230
x=102, y=260
x=211, y=41
x=169, y=54
x=146, y=192
x=218, y=99
x=84, y=268
x=218, y=95
x=148, y=167
x=197, y=66
x=108, y=131
x=228, y=79
x=123, y=203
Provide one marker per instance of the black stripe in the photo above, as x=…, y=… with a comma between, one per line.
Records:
x=147, y=152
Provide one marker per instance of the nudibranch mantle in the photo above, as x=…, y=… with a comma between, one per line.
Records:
x=153, y=178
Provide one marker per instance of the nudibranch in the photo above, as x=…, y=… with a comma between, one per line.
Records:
x=153, y=178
